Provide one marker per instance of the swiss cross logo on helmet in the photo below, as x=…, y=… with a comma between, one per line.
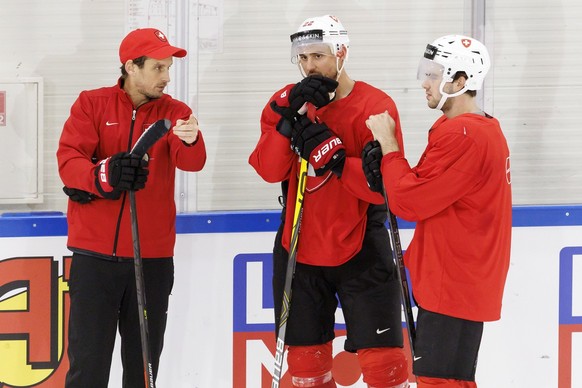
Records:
x=466, y=42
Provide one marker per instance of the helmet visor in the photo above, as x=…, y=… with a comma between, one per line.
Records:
x=306, y=42
x=429, y=70
x=316, y=50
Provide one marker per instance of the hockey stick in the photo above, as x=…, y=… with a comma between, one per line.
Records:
x=151, y=135
x=280, y=350
x=404, y=289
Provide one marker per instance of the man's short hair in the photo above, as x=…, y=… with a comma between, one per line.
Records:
x=140, y=62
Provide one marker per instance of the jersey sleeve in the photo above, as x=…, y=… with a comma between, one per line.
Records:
x=77, y=145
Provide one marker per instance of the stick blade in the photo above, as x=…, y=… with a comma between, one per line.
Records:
x=150, y=136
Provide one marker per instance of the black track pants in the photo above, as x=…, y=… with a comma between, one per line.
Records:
x=103, y=298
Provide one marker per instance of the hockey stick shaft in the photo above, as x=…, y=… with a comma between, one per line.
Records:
x=141, y=298
x=150, y=136
x=401, y=271
x=287, y=288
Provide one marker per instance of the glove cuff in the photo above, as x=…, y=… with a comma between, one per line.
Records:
x=102, y=180
x=326, y=152
x=335, y=164
x=284, y=127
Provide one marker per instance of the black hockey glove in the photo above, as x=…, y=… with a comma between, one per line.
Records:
x=371, y=162
x=77, y=195
x=121, y=172
x=288, y=118
x=314, y=89
x=316, y=143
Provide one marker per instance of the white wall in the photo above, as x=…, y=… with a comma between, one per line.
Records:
x=533, y=88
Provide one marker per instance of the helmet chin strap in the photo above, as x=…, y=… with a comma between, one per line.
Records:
x=339, y=69
x=444, y=95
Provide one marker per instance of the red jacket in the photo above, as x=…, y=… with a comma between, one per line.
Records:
x=100, y=125
x=459, y=194
x=334, y=212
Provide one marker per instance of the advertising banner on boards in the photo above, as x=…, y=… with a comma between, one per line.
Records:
x=220, y=321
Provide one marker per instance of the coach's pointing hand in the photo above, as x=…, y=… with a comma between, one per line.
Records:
x=187, y=130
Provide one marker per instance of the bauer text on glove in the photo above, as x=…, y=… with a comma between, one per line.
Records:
x=320, y=147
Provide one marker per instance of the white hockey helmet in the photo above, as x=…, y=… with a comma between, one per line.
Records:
x=459, y=53
x=319, y=30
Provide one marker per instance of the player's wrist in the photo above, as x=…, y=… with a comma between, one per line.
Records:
x=389, y=145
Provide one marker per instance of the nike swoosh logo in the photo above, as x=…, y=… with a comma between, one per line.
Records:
x=378, y=331
x=417, y=358
x=109, y=124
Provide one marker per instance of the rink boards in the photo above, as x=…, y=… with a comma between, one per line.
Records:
x=220, y=322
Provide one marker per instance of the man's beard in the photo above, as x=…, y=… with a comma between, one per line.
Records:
x=152, y=96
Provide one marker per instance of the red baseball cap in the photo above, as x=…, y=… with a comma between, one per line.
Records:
x=149, y=42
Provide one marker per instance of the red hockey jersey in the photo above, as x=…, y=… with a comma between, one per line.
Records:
x=459, y=194
x=334, y=212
